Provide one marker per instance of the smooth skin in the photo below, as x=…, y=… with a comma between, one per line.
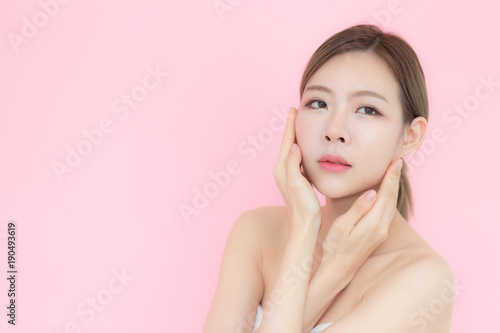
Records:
x=276, y=256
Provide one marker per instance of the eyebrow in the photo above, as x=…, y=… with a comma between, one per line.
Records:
x=354, y=94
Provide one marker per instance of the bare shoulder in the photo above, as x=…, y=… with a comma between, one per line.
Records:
x=241, y=281
x=269, y=228
x=430, y=268
x=266, y=219
x=410, y=261
x=423, y=261
x=415, y=292
x=421, y=269
x=268, y=211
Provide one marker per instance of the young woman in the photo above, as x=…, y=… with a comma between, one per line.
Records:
x=354, y=264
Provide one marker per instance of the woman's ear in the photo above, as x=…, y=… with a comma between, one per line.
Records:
x=413, y=135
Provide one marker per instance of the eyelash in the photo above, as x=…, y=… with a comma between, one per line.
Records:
x=377, y=113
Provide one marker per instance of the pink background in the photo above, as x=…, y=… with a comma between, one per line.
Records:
x=229, y=76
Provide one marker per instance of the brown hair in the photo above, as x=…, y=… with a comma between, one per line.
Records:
x=405, y=65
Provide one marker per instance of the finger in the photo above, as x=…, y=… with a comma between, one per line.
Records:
x=386, y=203
x=288, y=136
x=292, y=164
x=279, y=168
x=360, y=207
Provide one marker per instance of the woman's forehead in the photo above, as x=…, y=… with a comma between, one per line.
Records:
x=351, y=71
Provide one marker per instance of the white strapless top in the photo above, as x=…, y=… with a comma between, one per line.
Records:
x=260, y=313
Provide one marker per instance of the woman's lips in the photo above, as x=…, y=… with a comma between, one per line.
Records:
x=334, y=167
x=333, y=158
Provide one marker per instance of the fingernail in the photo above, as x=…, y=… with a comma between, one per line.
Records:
x=294, y=147
x=370, y=195
x=400, y=164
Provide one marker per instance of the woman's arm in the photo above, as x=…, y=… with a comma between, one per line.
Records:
x=324, y=286
x=284, y=311
x=240, y=285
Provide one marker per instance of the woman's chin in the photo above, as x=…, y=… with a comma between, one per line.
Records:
x=332, y=194
x=338, y=192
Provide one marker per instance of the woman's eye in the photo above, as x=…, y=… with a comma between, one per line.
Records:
x=369, y=110
x=321, y=104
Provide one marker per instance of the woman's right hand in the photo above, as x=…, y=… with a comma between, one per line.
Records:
x=301, y=202
x=354, y=236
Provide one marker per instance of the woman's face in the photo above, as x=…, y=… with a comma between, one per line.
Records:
x=360, y=118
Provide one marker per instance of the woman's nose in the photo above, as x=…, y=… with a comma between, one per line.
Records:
x=337, y=128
